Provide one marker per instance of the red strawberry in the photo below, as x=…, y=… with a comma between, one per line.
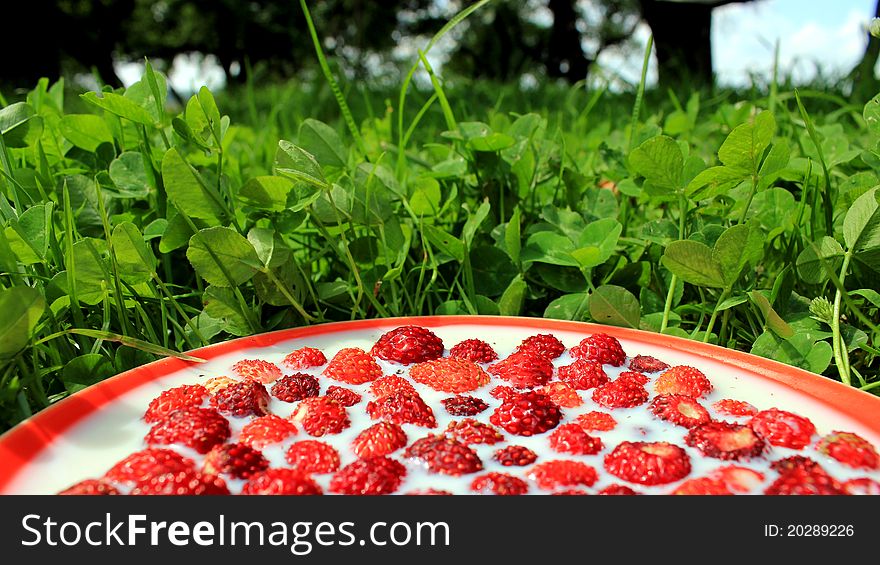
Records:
x=402, y=408
x=321, y=416
x=850, y=449
x=147, y=463
x=647, y=364
x=90, y=487
x=304, y=358
x=503, y=393
x=702, y=486
x=679, y=409
x=738, y=479
x=527, y=414
x=353, y=366
x=596, y=421
x=726, y=441
x=383, y=386
x=523, y=370
x=242, y=399
x=464, y=405
x=583, y=374
x=238, y=460
x=732, y=407
x=408, y=344
x=216, y=384
x=379, y=439
x=172, y=399
x=449, y=374
x=257, y=370
x=683, y=380
x=862, y=486
x=291, y=388
x=617, y=490
x=266, y=430
x=563, y=394
x=500, y=484
x=281, y=481
x=343, y=396
x=620, y=393
x=649, y=464
x=543, y=345
x=515, y=455
x=571, y=438
x=375, y=475
x=600, y=347
x=312, y=456
x=638, y=378
x=186, y=483
x=783, y=429
x=469, y=431
x=444, y=455
x=475, y=350
x=198, y=428
x=570, y=492
x=562, y=473
x=795, y=462
x=803, y=481
x=428, y=492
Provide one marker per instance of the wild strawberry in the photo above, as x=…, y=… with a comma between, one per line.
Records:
x=863, y=486
x=172, y=399
x=649, y=464
x=571, y=438
x=632, y=376
x=647, y=364
x=449, y=374
x=783, y=429
x=850, y=449
x=408, y=344
x=570, y=492
x=379, y=439
x=320, y=416
x=596, y=422
x=198, y=428
x=383, y=386
x=469, y=431
x=562, y=473
x=617, y=490
x=291, y=388
x=90, y=487
x=563, y=394
x=600, y=347
x=523, y=370
x=266, y=430
x=503, y=393
x=312, y=456
x=543, y=345
x=402, y=408
x=732, y=407
x=464, y=405
x=182, y=483
x=147, y=463
x=353, y=366
x=803, y=481
x=725, y=441
x=237, y=460
x=583, y=374
x=281, y=481
x=304, y=358
x=257, y=370
x=475, y=350
x=683, y=380
x=527, y=414
x=679, y=409
x=795, y=462
x=428, y=492
x=500, y=484
x=724, y=481
x=444, y=455
x=344, y=396
x=371, y=476
x=620, y=393
x=216, y=384
x=702, y=486
x=515, y=455
x=242, y=399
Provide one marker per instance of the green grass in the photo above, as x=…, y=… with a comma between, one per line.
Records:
x=133, y=230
